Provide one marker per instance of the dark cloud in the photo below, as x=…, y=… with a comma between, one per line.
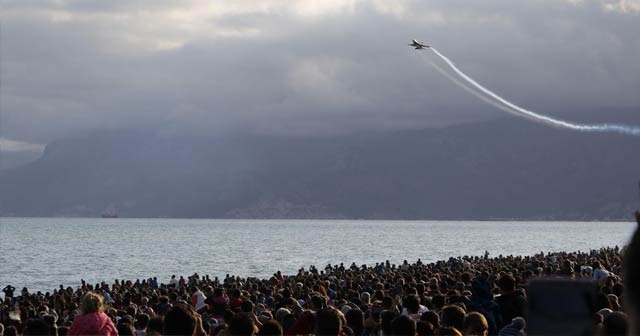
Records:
x=303, y=67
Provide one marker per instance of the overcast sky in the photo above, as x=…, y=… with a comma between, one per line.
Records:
x=303, y=67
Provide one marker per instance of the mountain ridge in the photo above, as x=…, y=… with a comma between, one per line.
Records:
x=498, y=169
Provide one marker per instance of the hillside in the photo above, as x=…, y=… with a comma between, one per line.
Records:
x=500, y=169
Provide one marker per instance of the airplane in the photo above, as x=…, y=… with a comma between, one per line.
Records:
x=419, y=45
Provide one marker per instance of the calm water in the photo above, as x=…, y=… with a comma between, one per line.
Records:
x=42, y=253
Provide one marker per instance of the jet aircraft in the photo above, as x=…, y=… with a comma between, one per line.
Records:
x=418, y=45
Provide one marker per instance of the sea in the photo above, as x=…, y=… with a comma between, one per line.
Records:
x=43, y=253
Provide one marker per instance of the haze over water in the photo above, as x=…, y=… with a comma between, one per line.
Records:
x=42, y=253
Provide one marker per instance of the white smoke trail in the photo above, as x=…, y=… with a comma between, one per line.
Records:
x=506, y=105
x=472, y=91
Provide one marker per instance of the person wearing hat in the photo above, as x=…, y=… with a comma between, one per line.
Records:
x=515, y=328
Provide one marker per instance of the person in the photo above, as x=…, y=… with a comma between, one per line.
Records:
x=173, y=282
x=164, y=305
x=235, y=299
x=403, y=326
x=218, y=303
x=482, y=301
x=386, y=319
x=515, y=328
x=631, y=262
x=271, y=328
x=126, y=329
x=512, y=303
x=432, y=318
x=475, y=324
x=424, y=328
x=141, y=323
x=599, y=272
x=616, y=323
x=182, y=319
x=412, y=307
x=155, y=327
x=92, y=319
x=11, y=331
x=8, y=292
x=355, y=320
x=453, y=317
x=36, y=327
x=198, y=298
x=328, y=322
x=241, y=325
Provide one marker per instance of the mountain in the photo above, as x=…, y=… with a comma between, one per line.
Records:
x=499, y=169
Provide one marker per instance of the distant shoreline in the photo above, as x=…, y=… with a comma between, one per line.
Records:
x=337, y=219
x=618, y=220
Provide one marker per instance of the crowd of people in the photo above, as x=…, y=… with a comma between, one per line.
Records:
x=588, y=293
x=460, y=296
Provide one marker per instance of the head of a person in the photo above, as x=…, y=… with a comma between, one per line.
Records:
x=235, y=293
x=616, y=323
x=475, y=324
x=91, y=303
x=318, y=302
x=328, y=322
x=507, y=283
x=438, y=301
x=424, y=328
x=365, y=297
x=387, y=303
x=403, y=325
x=36, y=327
x=247, y=306
x=431, y=317
x=155, y=326
x=481, y=288
x=125, y=329
x=10, y=331
x=141, y=322
x=613, y=301
x=453, y=316
x=241, y=325
x=386, y=320
x=281, y=313
x=181, y=319
x=355, y=320
x=412, y=303
x=271, y=328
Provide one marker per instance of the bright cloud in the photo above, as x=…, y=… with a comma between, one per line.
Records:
x=305, y=66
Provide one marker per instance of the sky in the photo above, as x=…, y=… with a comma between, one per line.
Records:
x=302, y=67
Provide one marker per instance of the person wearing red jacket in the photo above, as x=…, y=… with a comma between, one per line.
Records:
x=92, y=319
